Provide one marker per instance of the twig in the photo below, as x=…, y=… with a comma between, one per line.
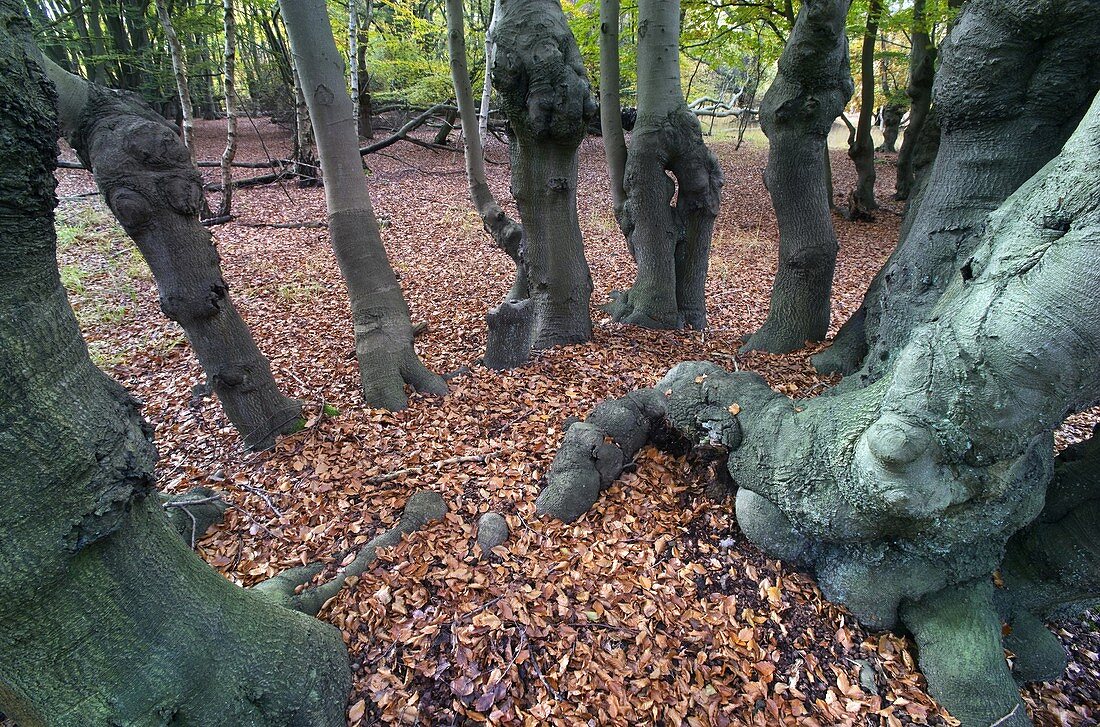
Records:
x=262, y=493
x=286, y=225
x=438, y=466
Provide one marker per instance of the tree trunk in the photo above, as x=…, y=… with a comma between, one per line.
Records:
x=999, y=126
x=670, y=243
x=487, y=80
x=229, y=26
x=538, y=71
x=353, y=58
x=892, y=115
x=861, y=201
x=144, y=172
x=383, y=333
x=809, y=92
x=137, y=629
x=901, y=496
x=179, y=70
x=922, y=71
x=366, y=122
x=445, y=127
x=306, y=167
x=611, y=116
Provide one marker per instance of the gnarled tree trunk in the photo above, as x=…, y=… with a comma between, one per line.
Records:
x=109, y=618
x=901, y=496
x=540, y=76
x=1000, y=123
x=145, y=174
x=812, y=85
x=861, y=200
x=383, y=333
x=670, y=243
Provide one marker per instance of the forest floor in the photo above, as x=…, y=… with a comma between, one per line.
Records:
x=651, y=609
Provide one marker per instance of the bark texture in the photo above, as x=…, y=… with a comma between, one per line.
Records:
x=902, y=496
x=1015, y=79
x=108, y=616
x=145, y=174
x=179, y=70
x=892, y=115
x=539, y=73
x=229, y=27
x=670, y=241
x=810, y=89
x=383, y=332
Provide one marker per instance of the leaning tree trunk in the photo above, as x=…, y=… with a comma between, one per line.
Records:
x=383, y=333
x=503, y=351
x=901, y=496
x=229, y=28
x=145, y=174
x=670, y=242
x=810, y=89
x=179, y=70
x=922, y=71
x=1000, y=124
x=109, y=618
x=539, y=73
x=861, y=200
x=611, y=115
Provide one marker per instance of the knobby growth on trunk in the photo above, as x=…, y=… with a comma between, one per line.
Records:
x=922, y=71
x=508, y=345
x=811, y=87
x=144, y=172
x=861, y=200
x=667, y=224
x=137, y=629
x=1000, y=123
x=903, y=495
x=383, y=332
x=540, y=76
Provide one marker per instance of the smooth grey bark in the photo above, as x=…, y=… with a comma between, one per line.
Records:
x=383, y=332
x=144, y=172
x=509, y=341
x=611, y=116
x=922, y=71
x=999, y=122
x=670, y=242
x=306, y=167
x=811, y=87
x=861, y=200
x=109, y=618
x=179, y=71
x=540, y=76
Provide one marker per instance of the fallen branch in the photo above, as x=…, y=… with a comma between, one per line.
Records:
x=286, y=225
x=438, y=466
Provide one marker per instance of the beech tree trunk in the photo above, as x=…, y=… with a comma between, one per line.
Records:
x=670, y=242
x=509, y=341
x=922, y=71
x=109, y=617
x=229, y=26
x=611, y=115
x=144, y=172
x=861, y=201
x=902, y=496
x=306, y=167
x=811, y=87
x=179, y=70
x=892, y=115
x=539, y=73
x=1000, y=124
x=383, y=333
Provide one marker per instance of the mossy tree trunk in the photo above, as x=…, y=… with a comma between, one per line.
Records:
x=812, y=85
x=383, y=332
x=999, y=122
x=109, y=618
x=145, y=173
x=669, y=242
x=902, y=496
x=540, y=76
